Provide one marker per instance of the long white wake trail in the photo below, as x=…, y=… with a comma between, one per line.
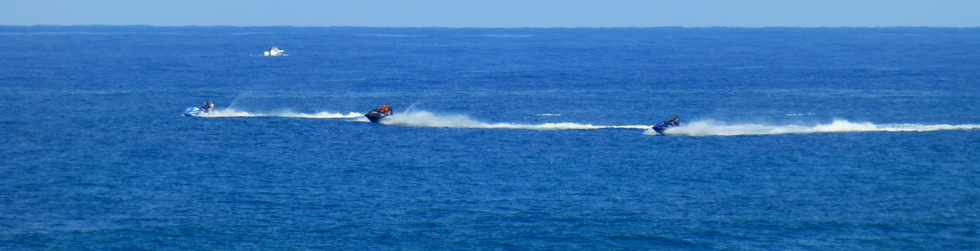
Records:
x=715, y=128
x=233, y=113
x=429, y=119
x=697, y=128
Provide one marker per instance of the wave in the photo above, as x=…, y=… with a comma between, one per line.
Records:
x=799, y=114
x=503, y=35
x=715, y=128
x=429, y=119
x=233, y=113
x=548, y=114
x=393, y=35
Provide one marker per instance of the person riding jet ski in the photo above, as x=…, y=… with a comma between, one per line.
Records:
x=207, y=106
x=376, y=115
x=385, y=109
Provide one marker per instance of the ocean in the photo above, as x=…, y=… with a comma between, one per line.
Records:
x=502, y=139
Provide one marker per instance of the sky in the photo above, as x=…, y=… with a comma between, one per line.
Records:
x=496, y=13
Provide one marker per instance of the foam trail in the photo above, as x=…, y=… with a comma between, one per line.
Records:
x=715, y=128
x=429, y=119
x=320, y=115
x=227, y=113
x=233, y=113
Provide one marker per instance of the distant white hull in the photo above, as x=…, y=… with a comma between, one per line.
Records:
x=274, y=52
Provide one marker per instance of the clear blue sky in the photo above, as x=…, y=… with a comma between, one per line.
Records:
x=495, y=13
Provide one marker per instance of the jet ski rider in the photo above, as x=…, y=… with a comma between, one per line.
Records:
x=208, y=106
x=385, y=109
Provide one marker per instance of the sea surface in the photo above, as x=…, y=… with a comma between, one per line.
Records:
x=502, y=139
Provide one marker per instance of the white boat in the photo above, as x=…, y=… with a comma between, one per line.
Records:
x=274, y=52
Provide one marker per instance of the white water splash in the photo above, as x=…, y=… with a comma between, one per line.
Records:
x=715, y=128
x=429, y=119
x=233, y=113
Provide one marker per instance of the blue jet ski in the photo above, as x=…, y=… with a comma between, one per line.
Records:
x=194, y=111
x=376, y=115
x=662, y=127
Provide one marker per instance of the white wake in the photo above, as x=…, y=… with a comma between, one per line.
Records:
x=429, y=119
x=716, y=128
x=233, y=113
x=417, y=118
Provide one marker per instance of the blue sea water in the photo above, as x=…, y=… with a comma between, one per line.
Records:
x=792, y=139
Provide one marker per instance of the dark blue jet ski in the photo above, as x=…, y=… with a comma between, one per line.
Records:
x=376, y=115
x=661, y=127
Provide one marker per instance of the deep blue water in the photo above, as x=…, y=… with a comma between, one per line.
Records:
x=793, y=139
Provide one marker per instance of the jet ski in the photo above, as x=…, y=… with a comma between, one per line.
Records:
x=197, y=111
x=376, y=115
x=662, y=127
x=194, y=111
x=274, y=52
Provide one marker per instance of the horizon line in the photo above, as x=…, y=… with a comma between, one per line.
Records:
x=496, y=27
